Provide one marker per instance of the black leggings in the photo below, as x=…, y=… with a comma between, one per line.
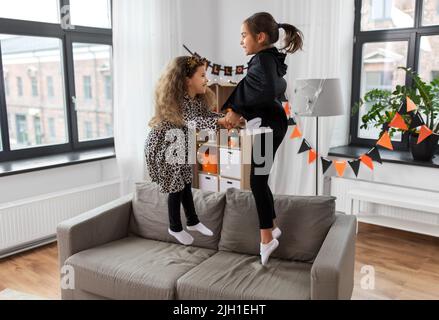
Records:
x=259, y=180
x=174, y=200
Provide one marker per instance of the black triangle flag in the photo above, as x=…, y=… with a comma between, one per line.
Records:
x=375, y=155
x=355, y=165
x=417, y=121
x=403, y=108
x=291, y=122
x=325, y=164
x=304, y=147
x=385, y=127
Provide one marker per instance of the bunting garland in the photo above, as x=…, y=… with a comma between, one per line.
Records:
x=373, y=155
x=217, y=68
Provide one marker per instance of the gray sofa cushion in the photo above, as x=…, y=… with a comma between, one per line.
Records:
x=232, y=276
x=304, y=221
x=134, y=268
x=150, y=215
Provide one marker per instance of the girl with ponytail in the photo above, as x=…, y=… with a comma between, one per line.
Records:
x=257, y=99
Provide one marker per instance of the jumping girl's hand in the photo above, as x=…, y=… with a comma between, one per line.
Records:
x=233, y=118
x=225, y=123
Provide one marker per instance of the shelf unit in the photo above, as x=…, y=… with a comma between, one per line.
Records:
x=230, y=153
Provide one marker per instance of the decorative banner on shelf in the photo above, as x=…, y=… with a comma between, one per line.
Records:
x=217, y=68
x=373, y=154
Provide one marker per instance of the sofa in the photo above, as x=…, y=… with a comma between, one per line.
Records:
x=122, y=250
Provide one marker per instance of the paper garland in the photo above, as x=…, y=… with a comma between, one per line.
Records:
x=373, y=155
x=217, y=68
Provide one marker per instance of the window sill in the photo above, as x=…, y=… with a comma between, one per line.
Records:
x=54, y=161
x=400, y=157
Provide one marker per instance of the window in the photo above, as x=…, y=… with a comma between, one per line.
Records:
x=19, y=86
x=94, y=13
x=96, y=105
x=7, y=86
x=428, y=61
x=34, y=85
x=87, y=87
x=380, y=47
x=88, y=130
x=109, y=129
x=43, y=56
x=381, y=9
x=387, y=14
x=37, y=130
x=52, y=129
x=50, y=91
x=430, y=13
x=21, y=130
x=108, y=88
x=56, y=62
x=41, y=10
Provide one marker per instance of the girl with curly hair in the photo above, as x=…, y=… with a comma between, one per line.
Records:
x=182, y=99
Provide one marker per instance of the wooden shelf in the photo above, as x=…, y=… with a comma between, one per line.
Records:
x=222, y=93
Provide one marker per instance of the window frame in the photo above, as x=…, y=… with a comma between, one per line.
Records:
x=67, y=37
x=412, y=35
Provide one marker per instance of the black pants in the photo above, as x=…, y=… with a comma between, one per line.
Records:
x=260, y=172
x=174, y=200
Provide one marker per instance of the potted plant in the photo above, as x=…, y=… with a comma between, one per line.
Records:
x=385, y=104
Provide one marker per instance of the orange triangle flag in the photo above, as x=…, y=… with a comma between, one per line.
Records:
x=398, y=122
x=287, y=108
x=296, y=133
x=424, y=133
x=312, y=155
x=367, y=161
x=385, y=141
x=340, y=166
x=411, y=105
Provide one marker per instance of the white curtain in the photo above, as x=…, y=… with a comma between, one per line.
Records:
x=145, y=38
x=327, y=26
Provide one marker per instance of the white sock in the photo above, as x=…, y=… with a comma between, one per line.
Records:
x=267, y=249
x=182, y=236
x=201, y=228
x=276, y=233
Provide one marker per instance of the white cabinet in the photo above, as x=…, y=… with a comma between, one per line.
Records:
x=226, y=183
x=230, y=163
x=208, y=182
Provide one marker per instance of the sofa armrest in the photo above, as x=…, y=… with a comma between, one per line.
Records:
x=332, y=273
x=93, y=228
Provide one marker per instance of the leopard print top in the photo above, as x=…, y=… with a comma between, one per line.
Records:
x=166, y=147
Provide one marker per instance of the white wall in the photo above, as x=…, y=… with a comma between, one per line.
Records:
x=32, y=184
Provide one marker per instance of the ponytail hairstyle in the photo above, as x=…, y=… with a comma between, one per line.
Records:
x=264, y=22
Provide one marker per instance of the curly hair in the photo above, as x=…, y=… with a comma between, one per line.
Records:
x=171, y=88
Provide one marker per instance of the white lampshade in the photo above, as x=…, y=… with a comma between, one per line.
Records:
x=317, y=98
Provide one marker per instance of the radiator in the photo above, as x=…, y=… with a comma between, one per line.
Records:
x=416, y=220
x=32, y=222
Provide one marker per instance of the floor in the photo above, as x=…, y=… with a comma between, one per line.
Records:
x=404, y=265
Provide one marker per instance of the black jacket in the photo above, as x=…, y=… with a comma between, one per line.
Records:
x=260, y=93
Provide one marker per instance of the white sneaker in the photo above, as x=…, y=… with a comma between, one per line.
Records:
x=276, y=233
x=267, y=249
x=201, y=228
x=182, y=236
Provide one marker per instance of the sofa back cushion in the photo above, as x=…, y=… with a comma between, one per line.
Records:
x=303, y=220
x=150, y=218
